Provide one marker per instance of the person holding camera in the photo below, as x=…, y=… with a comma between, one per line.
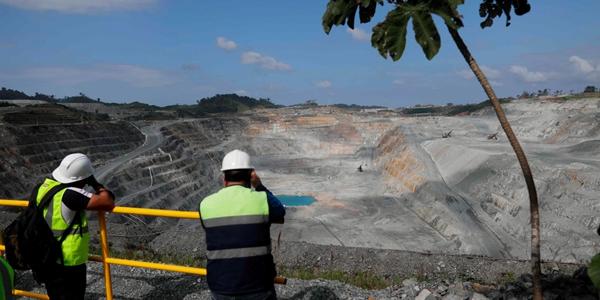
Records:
x=237, y=221
x=67, y=279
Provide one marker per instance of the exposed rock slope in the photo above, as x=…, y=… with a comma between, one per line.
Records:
x=36, y=138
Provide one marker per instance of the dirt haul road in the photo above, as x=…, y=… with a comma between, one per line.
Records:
x=152, y=140
x=418, y=191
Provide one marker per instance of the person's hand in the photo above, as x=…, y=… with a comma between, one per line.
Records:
x=255, y=180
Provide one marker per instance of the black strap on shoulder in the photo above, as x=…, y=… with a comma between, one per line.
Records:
x=76, y=218
x=49, y=195
x=33, y=196
x=46, y=200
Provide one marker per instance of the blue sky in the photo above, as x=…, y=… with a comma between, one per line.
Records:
x=167, y=52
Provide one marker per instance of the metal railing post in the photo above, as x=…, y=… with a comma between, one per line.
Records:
x=106, y=260
x=104, y=246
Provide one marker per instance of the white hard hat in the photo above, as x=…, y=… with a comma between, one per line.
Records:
x=73, y=167
x=236, y=160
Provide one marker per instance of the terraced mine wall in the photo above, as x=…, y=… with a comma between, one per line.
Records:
x=559, y=139
x=380, y=180
x=184, y=169
x=35, y=139
x=415, y=190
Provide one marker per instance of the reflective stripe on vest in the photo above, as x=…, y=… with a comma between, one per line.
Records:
x=235, y=220
x=235, y=206
x=75, y=245
x=6, y=279
x=238, y=252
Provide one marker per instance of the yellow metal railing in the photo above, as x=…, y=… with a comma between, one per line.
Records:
x=105, y=258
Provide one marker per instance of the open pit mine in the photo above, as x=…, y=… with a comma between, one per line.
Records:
x=380, y=180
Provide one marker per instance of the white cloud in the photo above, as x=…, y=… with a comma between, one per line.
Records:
x=134, y=75
x=80, y=6
x=582, y=65
x=398, y=82
x=529, y=76
x=226, y=44
x=265, y=62
x=323, y=84
x=358, y=34
x=490, y=73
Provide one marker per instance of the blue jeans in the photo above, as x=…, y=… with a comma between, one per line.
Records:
x=266, y=295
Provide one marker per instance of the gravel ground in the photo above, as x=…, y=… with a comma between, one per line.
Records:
x=386, y=263
x=418, y=275
x=422, y=276
x=131, y=283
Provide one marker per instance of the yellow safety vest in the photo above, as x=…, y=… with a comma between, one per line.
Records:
x=75, y=246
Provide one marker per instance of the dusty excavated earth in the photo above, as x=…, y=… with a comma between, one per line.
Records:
x=417, y=193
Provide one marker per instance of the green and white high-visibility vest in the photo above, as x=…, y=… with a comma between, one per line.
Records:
x=238, y=241
x=7, y=277
x=75, y=246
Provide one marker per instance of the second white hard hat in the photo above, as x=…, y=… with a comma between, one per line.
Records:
x=73, y=167
x=236, y=160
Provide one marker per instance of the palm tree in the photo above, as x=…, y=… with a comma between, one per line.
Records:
x=514, y=142
x=389, y=37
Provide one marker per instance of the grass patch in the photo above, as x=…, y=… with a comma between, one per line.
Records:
x=507, y=277
x=362, y=279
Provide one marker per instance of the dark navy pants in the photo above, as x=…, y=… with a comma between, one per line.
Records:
x=67, y=283
x=266, y=295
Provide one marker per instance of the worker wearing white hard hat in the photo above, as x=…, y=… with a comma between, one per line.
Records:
x=68, y=205
x=236, y=160
x=74, y=167
x=237, y=222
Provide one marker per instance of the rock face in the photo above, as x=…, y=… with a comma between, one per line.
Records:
x=35, y=139
x=183, y=169
x=464, y=194
x=415, y=190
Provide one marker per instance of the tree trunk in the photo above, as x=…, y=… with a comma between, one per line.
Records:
x=533, y=199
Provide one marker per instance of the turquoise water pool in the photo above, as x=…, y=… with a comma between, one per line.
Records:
x=291, y=200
